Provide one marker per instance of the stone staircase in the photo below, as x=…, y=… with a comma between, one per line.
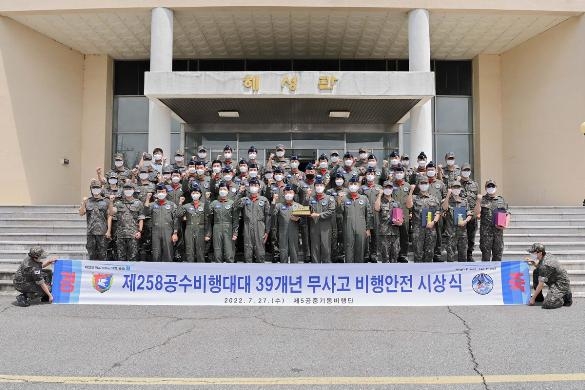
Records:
x=61, y=231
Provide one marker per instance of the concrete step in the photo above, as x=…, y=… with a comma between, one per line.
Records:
x=573, y=265
x=540, y=237
x=10, y=255
x=50, y=247
x=547, y=209
x=544, y=229
x=577, y=222
x=30, y=209
x=81, y=229
x=42, y=215
x=551, y=246
x=521, y=254
x=79, y=237
x=52, y=223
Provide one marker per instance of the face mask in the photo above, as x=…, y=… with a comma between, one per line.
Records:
x=394, y=161
x=223, y=193
x=175, y=179
x=227, y=178
x=244, y=169
x=227, y=155
x=310, y=176
x=319, y=189
x=280, y=153
x=289, y=196
x=146, y=164
x=269, y=176
x=399, y=176
x=372, y=164
x=491, y=190
x=216, y=169
x=118, y=163
x=422, y=163
x=450, y=162
x=323, y=165
x=252, y=156
x=192, y=170
x=201, y=155
x=456, y=191
x=294, y=164
x=179, y=159
x=200, y=172
x=96, y=191
x=334, y=159
x=405, y=163
x=161, y=195
x=431, y=173
x=339, y=182
x=354, y=188
x=143, y=176
x=363, y=156
x=166, y=176
x=348, y=163
x=128, y=193
x=278, y=177
x=253, y=173
x=113, y=181
x=423, y=187
x=387, y=191
x=466, y=174
x=195, y=195
x=158, y=157
x=370, y=177
x=254, y=189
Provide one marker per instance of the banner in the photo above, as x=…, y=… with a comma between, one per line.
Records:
x=265, y=284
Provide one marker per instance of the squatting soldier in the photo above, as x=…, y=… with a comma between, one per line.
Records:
x=400, y=194
x=288, y=224
x=31, y=280
x=225, y=225
x=491, y=237
x=129, y=213
x=357, y=222
x=255, y=210
x=550, y=272
x=371, y=190
x=164, y=225
x=470, y=190
x=457, y=215
x=388, y=228
x=320, y=226
x=427, y=206
x=198, y=227
x=96, y=208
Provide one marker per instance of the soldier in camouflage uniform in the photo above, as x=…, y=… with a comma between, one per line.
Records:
x=198, y=227
x=388, y=229
x=427, y=206
x=491, y=238
x=164, y=224
x=357, y=222
x=439, y=190
x=96, y=208
x=129, y=213
x=550, y=272
x=255, y=210
x=455, y=225
x=320, y=226
x=371, y=190
x=400, y=194
x=31, y=280
x=225, y=225
x=451, y=172
x=143, y=188
x=179, y=164
x=112, y=190
x=306, y=186
x=288, y=224
x=119, y=167
x=470, y=190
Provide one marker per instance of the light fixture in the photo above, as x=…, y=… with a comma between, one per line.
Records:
x=228, y=114
x=339, y=114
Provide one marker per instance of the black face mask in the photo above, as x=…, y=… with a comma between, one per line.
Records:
x=310, y=176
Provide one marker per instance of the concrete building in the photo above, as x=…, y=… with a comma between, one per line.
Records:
x=499, y=82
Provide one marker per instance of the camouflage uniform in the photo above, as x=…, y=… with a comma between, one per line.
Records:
x=198, y=227
x=304, y=186
x=321, y=227
x=164, y=224
x=97, y=226
x=128, y=214
x=491, y=239
x=372, y=249
x=225, y=225
x=400, y=194
x=257, y=219
x=439, y=190
x=30, y=276
x=145, y=245
x=470, y=189
x=423, y=238
x=357, y=218
x=389, y=234
x=456, y=242
x=550, y=271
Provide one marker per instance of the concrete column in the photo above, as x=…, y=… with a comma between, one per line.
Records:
x=419, y=57
x=161, y=60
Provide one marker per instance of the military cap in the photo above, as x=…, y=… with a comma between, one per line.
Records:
x=119, y=156
x=422, y=156
x=431, y=165
x=423, y=179
x=202, y=149
x=226, y=170
x=147, y=156
x=278, y=170
x=195, y=186
x=339, y=175
x=199, y=162
x=309, y=167
x=128, y=184
x=289, y=187
x=455, y=183
x=398, y=168
x=490, y=182
x=253, y=166
x=179, y=152
x=254, y=181
x=294, y=158
x=95, y=183
x=362, y=150
x=449, y=155
x=405, y=157
x=143, y=170
x=319, y=179
x=323, y=156
x=371, y=170
x=252, y=149
x=36, y=252
x=388, y=183
x=227, y=147
x=167, y=169
x=222, y=184
x=394, y=154
x=280, y=147
x=354, y=179
x=112, y=175
x=160, y=187
x=242, y=162
x=537, y=247
x=371, y=157
x=347, y=155
x=465, y=166
x=334, y=153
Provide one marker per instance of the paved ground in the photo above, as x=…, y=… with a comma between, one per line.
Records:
x=130, y=347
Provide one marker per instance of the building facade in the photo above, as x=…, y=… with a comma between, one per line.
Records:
x=500, y=83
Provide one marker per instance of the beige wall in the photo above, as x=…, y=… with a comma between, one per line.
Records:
x=543, y=101
x=41, y=84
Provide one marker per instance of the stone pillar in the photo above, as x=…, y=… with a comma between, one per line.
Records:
x=419, y=57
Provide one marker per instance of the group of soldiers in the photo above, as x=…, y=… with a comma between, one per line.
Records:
x=339, y=208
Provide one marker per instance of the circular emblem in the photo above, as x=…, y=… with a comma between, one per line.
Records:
x=200, y=208
x=228, y=206
x=361, y=202
x=437, y=185
x=233, y=189
x=482, y=284
x=324, y=203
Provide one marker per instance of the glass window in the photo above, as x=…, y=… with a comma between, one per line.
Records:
x=132, y=145
x=458, y=144
x=329, y=141
x=130, y=114
x=452, y=114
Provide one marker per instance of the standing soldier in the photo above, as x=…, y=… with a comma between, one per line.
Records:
x=96, y=208
x=470, y=190
x=491, y=237
x=337, y=221
x=202, y=155
x=164, y=225
x=179, y=164
x=362, y=161
x=256, y=213
x=357, y=222
x=144, y=188
x=438, y=189
x=129, y=212
x=421, y=168
x=280, y=161
x=371, y=190
x=225, y=225
x=253, y=159
x=198, y=228
x=295, y=176
x=400, y=194
x=457, y=215
x=388, y=227
x=322, y=213
x=288, y=224
x=425, y=215
x=306, y=186
x=112, y=190
x=323, y=169
x=451, y=172
x=119, y=166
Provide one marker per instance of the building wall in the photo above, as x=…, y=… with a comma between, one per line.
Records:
x=41, y=86
x=543, y=101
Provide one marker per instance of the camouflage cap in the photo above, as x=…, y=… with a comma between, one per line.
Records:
x=36, y=252
x=118, y=156
x=167, y=169
x=179, y=152
x=388, y=183
x=112, y=175
x=280, y=146
x=455, y=183
x=449, y=155
x=537, y=247
x=95, y=183
x=147, y=156
x=465, y=166
x=128, y=184
x=490, y=182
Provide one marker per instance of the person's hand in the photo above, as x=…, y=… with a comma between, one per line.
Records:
x=315, y=216
x=112, y=197
x=462, y=223
x=50, y=298
x=271, y=156
x=234, y=237
x=149, y=196
x=98, y=170
x=207, y=195
x=479, y=196
x=84, y=200
x=449, y=192
x=530, y=261
x=412, y=188
x=181, y=200
x=265, y=238
x=137, y=235
x=380, y=192
x=398, y=222
x=431, y=225
x=532, y=301
x=368, y=233
x=108, y=235
x=385, y=163
x=174, y=238
x=295, y=218
x=207, y=238
x=309, y=192
x=274, y=198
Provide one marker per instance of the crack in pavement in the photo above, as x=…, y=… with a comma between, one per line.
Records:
x=467, y=332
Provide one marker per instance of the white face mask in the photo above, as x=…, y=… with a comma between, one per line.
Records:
x=227, y=178
x=179, y=159
x=201, y=155
x=227, y=155
x=394, y=161
x=223, y=193
x=354, y=188
x=96, y=191
x=158, y=157
x=216, y=169
x=252, y=156
x=146, y=164
x=387, y=191
x=363, y=156
x=128, y=193
x=113, y=181
x=423, y=187
x=118, y=163
x=466, y=174
x=289, y=197
x=431, y=173
x=278, y=177
x=254, y=189
x=253, y=173
x=319, y=189
x=348, y=163
x=450, y=162
x=280, y=153
x=195, y=195
x=161, y=195
x=370, y=177
x=422, y=163
x=405, y=163
x=175, y=179
x=323, y=165
x=456, y=191
x=192, y=170
x=200, y=172
x=143, y=176
x=294, y=164
x=244, y=168
x=269, y=176
x=399, y=176
x=334, y=159
x=372, y=164
x=339, y=182
x=491, y=190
